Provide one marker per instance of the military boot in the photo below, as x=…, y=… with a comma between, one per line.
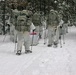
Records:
x=18, y=52
x=49, y=45
x=28, y=51
x=55, y=45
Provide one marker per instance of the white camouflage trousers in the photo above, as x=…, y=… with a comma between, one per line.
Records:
x=64, y=29
x=23, y=38
x=39, y=30
x=13, y=33
x=53, y=35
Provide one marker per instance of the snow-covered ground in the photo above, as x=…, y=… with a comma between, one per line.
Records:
x=43, y=61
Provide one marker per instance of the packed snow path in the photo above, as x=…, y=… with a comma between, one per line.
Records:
x=43, y=61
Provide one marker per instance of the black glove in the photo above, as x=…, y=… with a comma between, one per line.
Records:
x=60, y=26
x=15, y=41
x=33, y=30
x=28, y=16
x=59, y=37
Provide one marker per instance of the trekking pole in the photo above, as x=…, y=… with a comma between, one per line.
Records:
x=45, y=37
x=63, y=38
x=15, y=48
x=32, y=41
x=60, y=42
x=64, y=32
x=4, y=38
x=60, y=36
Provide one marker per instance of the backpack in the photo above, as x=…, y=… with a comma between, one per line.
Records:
x=27, y=13
x=21, y=23
x=53, y=18
x=15, y=14
x=36, y=19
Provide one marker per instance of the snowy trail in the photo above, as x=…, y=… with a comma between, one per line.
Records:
x=12, y=64
x=43, y=60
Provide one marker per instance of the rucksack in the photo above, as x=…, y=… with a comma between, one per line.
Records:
x=36, y=18
x=22, y=23
x=53, y=18
x=27, y=13
x=15, y=14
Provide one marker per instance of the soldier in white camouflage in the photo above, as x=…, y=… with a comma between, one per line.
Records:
x=65, y=19
x=22, y=25
x=53, y=29
x=13, y=31
x=36, y=19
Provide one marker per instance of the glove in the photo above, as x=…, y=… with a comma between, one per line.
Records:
x=33, y=30
x=60, y=26
x=59, y=37
x=27, y=16
x=15, y=41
